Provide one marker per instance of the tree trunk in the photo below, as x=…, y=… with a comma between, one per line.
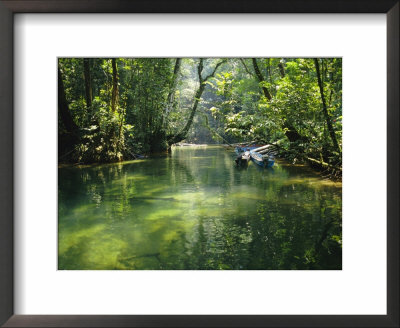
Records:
x=291, y=132
x=189, y=122
x=261, y=79
x=269, y=70
x=158, y=138
x=88, y=82
x=281, y=70
x=63, y=108
x=183, y=133
x=325, y=110
x=245, y=67
x=171, y=92
x=114, y=96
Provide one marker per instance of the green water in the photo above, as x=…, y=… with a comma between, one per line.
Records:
x=193, y=209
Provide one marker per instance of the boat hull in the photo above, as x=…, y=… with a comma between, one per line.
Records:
x=243, y=158
x=259, y=160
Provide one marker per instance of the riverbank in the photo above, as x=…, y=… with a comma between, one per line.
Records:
x=323, y=170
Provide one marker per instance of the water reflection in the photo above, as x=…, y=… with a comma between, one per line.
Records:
x=194, y=209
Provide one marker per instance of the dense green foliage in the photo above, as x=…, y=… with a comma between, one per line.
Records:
x=113, y=109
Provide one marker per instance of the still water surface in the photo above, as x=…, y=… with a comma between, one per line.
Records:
x=193, y=209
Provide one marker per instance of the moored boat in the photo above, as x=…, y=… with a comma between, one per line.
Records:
x=243, y=158
x=261, y=155
x=262, y=160
x=242, y=149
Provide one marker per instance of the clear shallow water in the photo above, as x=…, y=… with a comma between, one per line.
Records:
x=195, y=210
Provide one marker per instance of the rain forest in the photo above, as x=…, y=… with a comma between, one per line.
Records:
x=199, y=163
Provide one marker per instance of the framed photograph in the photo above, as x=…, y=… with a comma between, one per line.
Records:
x=199, y=165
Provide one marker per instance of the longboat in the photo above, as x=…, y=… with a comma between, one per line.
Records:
x=240, y=149
x=262, y=160
x=243, y=158
x=263, y=156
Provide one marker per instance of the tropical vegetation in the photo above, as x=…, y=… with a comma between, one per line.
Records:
x=114, y=109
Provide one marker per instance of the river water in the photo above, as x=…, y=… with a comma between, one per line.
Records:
x=194, y=210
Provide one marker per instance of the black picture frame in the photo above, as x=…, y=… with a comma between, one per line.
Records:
x=10, y=7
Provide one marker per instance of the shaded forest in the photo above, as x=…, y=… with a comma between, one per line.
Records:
x=114, y=109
